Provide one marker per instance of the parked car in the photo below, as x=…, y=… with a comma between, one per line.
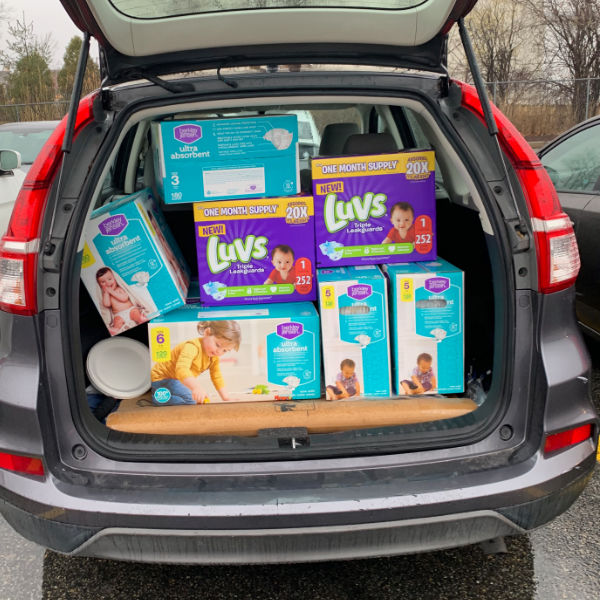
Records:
x=518, y=456
x=20, y=143
x=573, y=162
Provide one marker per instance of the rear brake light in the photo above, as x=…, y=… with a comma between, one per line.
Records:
x=20, y=245
x=21, y=464
x=558, y=255
x=556, y=246
x=557, y=441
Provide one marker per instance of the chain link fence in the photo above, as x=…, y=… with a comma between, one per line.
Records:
x=538, y=108
x=545, y=108
x=40, y=111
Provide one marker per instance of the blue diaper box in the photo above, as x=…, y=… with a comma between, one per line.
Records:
x=218, y=159
x=354, y=328
x=427, y=309
x=278, y=356
x=131, y=264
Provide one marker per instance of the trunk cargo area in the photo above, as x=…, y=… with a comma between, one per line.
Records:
x=461, y=240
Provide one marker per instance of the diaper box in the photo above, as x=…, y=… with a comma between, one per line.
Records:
x=258, y=250
x=374, y=209
x=354, y=327
x=131, y=265
x=427, y=324
x=213, y=159
x=249, y=353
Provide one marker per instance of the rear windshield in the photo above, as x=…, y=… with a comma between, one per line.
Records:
x=158, y=9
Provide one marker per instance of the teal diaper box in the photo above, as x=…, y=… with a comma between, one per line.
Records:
x=235, y=354
x=131, y=264
x=427, y=309
x=354, y=327
x=217, y=159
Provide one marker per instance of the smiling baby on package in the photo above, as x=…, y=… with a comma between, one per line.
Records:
x=374, y=209
x=259, y=250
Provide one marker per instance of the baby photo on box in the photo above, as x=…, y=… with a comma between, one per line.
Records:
x=374, y=209
x=131, y=265
x=427, y=324
x=236, y=354
x=253, y=251
x=354, y=327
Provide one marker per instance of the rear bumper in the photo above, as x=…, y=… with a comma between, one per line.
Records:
x=294, y=532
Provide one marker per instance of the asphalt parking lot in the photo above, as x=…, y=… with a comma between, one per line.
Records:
x=561, y=561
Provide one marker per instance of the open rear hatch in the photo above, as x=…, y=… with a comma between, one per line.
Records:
x=137, y=38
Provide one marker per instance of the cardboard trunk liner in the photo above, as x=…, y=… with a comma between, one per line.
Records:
x=317, y=416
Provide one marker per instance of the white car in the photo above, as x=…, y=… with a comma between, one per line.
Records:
x=20, y=143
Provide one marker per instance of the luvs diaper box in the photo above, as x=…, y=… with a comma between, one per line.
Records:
x=253, y=251
x=238, y=354
x=374, y=209
x=354, y=327
x=131, y=265
x=213, y=159
x=427, y=324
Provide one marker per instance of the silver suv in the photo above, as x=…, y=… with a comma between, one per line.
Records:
x=84, y=483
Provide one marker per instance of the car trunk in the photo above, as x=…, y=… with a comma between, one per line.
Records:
x=467, y=237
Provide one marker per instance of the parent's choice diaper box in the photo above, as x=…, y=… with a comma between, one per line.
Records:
x=253, y=251
x=427, y=324
x=131, y=265
x=374, y=209
x=273, y=352
x=215, y=159
x=354, y=327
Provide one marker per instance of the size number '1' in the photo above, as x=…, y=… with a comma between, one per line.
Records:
x=303, y=281
x=423, y=234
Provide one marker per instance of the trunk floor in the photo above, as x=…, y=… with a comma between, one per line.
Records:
x=317, y=416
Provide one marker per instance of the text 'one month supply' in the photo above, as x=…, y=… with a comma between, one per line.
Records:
x=235, y=354
x=374, y=209
x=215, y=159
x=131, y=265
x=253, y=251
x=427, y=324
x=354, y=327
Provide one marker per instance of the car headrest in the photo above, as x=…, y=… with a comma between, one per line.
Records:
x=334, y=137
x=370, y=143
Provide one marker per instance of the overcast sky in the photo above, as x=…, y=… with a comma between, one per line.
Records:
x=48, y=17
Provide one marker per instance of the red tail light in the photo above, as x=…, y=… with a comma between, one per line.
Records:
x=557, y=441
x=21, y=464
x=557, y=252
x=20, y=245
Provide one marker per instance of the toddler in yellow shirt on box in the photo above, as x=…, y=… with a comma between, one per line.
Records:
x=176, y=380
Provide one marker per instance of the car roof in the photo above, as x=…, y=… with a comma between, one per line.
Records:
x=28, y=126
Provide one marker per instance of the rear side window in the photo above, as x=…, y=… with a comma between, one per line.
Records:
x=574, y=164
x=173, y=8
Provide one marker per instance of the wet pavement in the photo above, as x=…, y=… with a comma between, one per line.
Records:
x=560, y=561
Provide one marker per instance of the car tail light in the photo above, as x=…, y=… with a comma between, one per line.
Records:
x=557, y=252
x=21, y=464
x=20, y=246
x=557, y=441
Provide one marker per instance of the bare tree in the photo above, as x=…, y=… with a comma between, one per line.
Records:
x=505, y=43
x=23, y=43
x=572, y=38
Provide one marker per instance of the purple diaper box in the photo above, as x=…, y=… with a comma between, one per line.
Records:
x=374, y=209
x=255, y=251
